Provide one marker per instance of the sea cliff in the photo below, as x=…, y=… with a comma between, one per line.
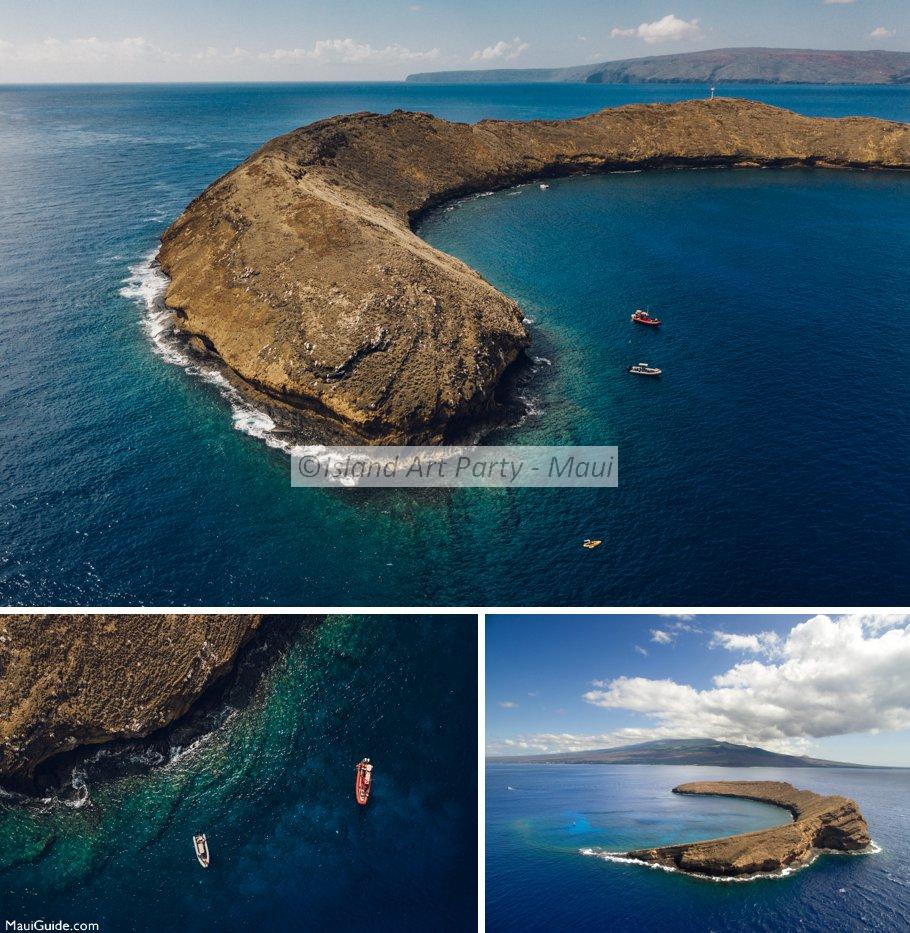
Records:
x=299, y=270
x=69, y=681
x=819, y=823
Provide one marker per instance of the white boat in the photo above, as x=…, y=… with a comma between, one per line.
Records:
x=201, y=845
x=544, y=187
x=642, y=369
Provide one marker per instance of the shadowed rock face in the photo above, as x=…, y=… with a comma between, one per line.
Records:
x=820, y=822
x=300, y=271
x=69, y=681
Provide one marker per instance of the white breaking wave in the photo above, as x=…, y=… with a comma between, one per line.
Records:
x=79, y=783
x=177, y=753
x=619, y=858
x=145, y=286
x=533, y=407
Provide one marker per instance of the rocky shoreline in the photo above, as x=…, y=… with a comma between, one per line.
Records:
x=820, y=823
x=70, y=682
x=300, y=271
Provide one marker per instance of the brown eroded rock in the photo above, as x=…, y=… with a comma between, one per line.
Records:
x=300, y=271
x=820, y=822
x=73, y=680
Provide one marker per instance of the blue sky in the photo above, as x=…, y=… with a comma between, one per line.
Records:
x=834, y=687
x=100, y=40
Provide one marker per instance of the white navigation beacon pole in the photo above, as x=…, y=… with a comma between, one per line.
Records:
x=712, y=94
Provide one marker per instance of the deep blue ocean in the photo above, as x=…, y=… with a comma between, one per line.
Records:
x=547, y=827
x=272, y=786
x=767, y=467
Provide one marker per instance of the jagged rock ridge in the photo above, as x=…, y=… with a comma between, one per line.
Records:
x=300, y=271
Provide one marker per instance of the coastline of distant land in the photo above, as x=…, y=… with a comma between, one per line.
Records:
x=715, y=66
x=698, y=752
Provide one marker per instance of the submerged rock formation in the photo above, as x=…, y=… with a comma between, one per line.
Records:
x=67, y=681
x=300, y=271
x=820, y=822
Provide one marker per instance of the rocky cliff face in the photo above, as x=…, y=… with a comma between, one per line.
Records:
x=820, y=822
x=69, y=681
x=300, y=271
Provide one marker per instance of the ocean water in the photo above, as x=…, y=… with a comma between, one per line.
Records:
x=764, y=468
x=272, y=788
x=541, y=820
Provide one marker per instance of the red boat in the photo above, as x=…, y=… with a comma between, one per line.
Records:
x=364, y=783
x=642, y=317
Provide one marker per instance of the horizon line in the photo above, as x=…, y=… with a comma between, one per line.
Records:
x=377, y=81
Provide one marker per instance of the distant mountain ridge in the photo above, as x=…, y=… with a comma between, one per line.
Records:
x=681, y=752
x=716, y=66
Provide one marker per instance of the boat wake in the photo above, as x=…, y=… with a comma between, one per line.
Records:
x=618, y=857
x=145, y=287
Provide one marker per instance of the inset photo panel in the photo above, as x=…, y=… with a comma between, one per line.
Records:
x=697, y=772
x=238, y=772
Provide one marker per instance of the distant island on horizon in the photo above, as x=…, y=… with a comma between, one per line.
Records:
x=681, y=752
x=715, y=66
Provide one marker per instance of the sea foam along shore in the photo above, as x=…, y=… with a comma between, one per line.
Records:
x=145, y=287
x=593, y=851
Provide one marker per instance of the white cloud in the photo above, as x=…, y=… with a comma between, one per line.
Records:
x=348, y=51
x=831, y=677
x=881, y=622
x=680, y=623
x=508, y=51
x=89, y=50
x=138, y=50
x=669, y=29
x=767, y=643
x=548, y=742
x=662, y=637
x=641, y=651
x=881, y=33
x=508, y=704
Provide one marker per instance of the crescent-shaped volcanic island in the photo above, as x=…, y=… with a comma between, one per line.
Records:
x=301, y=273
x=820, y=823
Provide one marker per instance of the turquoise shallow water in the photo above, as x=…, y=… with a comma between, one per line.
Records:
x=273, y=789
x=772, y=446
x=540, y=818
